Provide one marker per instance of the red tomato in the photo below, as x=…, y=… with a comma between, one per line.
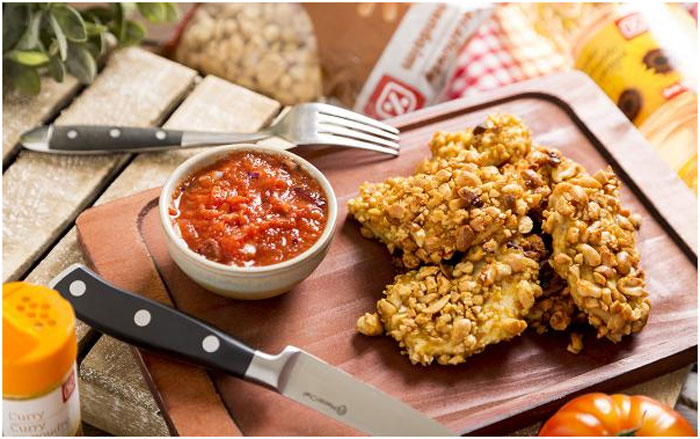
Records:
x=598, y=414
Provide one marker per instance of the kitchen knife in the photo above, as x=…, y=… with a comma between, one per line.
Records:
x=293, y=373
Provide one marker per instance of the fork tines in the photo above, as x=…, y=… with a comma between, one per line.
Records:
x=343, y=127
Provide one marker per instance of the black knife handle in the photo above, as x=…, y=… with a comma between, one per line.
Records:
x=93, y=138
x=150, y=325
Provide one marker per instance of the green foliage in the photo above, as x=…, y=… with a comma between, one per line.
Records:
x=70, y=21
x=81, y=64
x=29, y=58
x=59, y=39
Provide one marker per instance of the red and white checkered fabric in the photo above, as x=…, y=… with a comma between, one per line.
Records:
x=501, y=54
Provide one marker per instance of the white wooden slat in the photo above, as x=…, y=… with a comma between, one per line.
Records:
x=121, y=404
x=42, y=193
x=215, y=105
x=22, y=112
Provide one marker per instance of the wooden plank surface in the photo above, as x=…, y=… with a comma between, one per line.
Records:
x=22, y=112
x=43, y=193
x=319, y=315
x=215, y=105
x=114, y=396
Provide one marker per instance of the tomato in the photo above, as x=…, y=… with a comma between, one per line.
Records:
x=598, y=414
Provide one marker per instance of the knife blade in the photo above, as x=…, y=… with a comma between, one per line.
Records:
x=293, y=373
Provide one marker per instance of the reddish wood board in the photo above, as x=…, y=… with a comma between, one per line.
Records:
x=507, y=386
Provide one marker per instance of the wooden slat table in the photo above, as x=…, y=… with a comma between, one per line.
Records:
x=43, y=194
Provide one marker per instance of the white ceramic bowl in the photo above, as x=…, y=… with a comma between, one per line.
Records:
x=244, y=282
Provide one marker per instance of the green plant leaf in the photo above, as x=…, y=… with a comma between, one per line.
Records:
x=94, y=29
x=30, y=38
x=127, y=9
x=132, y=33
x=172, y=12
x=102, y=14
x=81, y=64
x=97, y=42
x=24, y=78
x=32, y=58
x=60, y=37
x=95, y=45
x=57, y=69
x=153, y=12
x=70, y=22
x=118, y=26
x=53, y=48
x=14, y=24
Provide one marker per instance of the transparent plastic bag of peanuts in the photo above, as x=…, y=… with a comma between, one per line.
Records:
x=268, y=47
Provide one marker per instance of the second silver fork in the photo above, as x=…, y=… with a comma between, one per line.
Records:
x=304, y=124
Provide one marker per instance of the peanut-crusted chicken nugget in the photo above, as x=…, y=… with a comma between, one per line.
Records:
x=443, y=314
x=429, y=216
x=594, y=250
x=468, y=192
x=504, y=139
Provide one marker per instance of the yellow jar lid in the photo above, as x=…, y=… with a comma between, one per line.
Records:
x=38, y=342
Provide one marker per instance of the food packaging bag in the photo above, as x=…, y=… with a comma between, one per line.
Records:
x=266, y=47
x=388, y=59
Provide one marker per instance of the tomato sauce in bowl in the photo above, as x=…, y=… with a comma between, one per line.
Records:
x=250, y=209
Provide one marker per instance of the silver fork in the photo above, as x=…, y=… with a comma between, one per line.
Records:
x=304, y=124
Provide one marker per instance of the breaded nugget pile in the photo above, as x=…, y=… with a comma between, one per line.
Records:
x=466, y=230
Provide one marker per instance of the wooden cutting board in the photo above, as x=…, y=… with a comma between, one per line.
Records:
x=507, y=386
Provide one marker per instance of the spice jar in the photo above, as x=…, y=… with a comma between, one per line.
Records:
x=269, y=48
x=643, y=57
x=39, y=378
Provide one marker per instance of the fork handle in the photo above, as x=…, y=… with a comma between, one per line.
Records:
x=94, y=139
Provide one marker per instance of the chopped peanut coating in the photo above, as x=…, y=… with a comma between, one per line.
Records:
x=594, y=250
x=369, y=324
x=576, y=344
x=556, y=311
x=443, y=314
x=501, y=139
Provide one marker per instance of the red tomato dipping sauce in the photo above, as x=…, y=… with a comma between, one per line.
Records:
x=250, y=209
